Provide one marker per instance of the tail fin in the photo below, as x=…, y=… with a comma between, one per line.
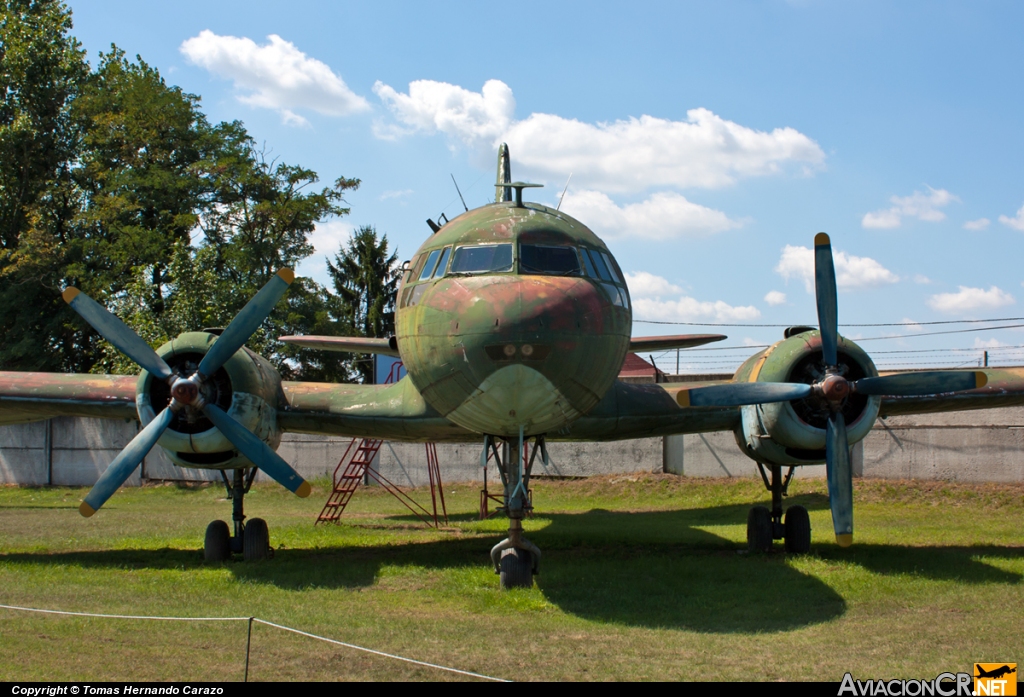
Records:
x=503, y=193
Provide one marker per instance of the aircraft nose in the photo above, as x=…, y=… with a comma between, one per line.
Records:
x=542, y=350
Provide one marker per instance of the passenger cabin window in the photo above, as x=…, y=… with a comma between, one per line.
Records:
x=554, y=261
x=491, y=258
x=443, y=264
x=428, y=268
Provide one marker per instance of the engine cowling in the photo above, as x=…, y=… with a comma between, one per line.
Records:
x=793, y=433
x=247, y=387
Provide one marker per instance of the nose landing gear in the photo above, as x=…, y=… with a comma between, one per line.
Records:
x=764, y=526
x=252, y=539
x=516, y=560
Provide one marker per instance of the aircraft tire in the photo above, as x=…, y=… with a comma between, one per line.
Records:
x=256, y=540
x=798, y=530
x=759, y=530
x=516, y=569
x=217, y=544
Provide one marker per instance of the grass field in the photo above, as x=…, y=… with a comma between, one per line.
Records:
x=642, y=578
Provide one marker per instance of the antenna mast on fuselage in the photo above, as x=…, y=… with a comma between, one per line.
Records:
x=503, y=193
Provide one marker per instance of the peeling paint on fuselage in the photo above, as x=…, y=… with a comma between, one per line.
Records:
x=569, y=333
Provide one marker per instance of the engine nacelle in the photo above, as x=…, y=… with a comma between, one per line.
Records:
x=793, y=433
x=247, y=387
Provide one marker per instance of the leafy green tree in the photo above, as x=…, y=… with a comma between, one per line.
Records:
x=116, y=182
x=42, y=70
x=365, y=278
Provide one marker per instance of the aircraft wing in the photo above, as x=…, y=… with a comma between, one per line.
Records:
x=26, y=397
x=395, y=412
x=661, y=343
x=350, y=344
x=1005, y=388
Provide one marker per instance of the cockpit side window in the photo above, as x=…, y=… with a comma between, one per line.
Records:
x=602, y=268
x=587, y=263
x=610, y=263
x=428, y=268
x=543, y=259
x=443, y=264
x=490, y=258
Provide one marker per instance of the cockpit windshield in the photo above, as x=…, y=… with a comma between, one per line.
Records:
x=556, y=261
x=491, y=258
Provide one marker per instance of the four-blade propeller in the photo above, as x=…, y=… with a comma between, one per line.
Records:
x=187, y=391
x=835, y=389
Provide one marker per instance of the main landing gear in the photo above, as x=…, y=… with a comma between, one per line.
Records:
x=516, y=560
x=252, y=539
x=764, y=526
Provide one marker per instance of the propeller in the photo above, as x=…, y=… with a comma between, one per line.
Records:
x=835, y=389
x=187, y=392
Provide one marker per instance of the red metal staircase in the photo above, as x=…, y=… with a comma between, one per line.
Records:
x=355, y=467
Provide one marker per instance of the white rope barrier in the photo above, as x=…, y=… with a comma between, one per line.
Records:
x=381, y=653
x=260, y=621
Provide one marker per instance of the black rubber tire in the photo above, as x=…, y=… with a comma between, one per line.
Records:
x=516, y=569
x=759, y=530
x=217, y=544
x=798, y=530
x=256, y=540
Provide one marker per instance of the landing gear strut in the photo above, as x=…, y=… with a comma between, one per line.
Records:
x=764, y=526
x=251, y=539
x=516, y=560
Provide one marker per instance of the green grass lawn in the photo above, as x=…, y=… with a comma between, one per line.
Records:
x=643, y=577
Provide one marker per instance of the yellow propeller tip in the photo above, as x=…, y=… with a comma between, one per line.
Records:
x=287, y=275
x=821, y=239
x=86, y=510
x=683, y=398
x=844, y=540
x=70, y=293
x=304, y=490
x=980, y=379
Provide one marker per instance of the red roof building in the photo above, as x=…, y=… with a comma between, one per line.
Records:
x=636, y=369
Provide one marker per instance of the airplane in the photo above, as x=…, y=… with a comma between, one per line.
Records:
x=995, y=673
x=512, y=321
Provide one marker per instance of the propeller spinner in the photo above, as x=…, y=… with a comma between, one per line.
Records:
x=835, y=389
x=187, y=391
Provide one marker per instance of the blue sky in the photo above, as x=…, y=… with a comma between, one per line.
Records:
x=707, y=142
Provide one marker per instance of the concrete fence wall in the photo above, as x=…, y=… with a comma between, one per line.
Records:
x=981, y=446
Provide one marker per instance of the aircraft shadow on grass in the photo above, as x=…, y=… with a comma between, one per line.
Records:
x=653, y=568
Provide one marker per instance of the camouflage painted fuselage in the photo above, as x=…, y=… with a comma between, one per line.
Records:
x=498, y=351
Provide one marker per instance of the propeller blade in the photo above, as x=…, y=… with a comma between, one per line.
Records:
x=246, y=322
x=125, y=463
x=737, y=394
x=828, y=303
x=116, y=332
x=258, y=452
x=914, y=384
x=840, y=478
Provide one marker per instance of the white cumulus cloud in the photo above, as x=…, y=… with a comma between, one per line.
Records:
x=652, y=300
x=662, y=216
x=646, y=285
x=1016, y=222
x=968, y=300
x=474, y=118
x=275, y=75
x=627, y=155
x=987, y=343
x=979, y=224
x=851, y=272
x=921, y=205
x=687, y=309
x=775, y=298
x=633, y=154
